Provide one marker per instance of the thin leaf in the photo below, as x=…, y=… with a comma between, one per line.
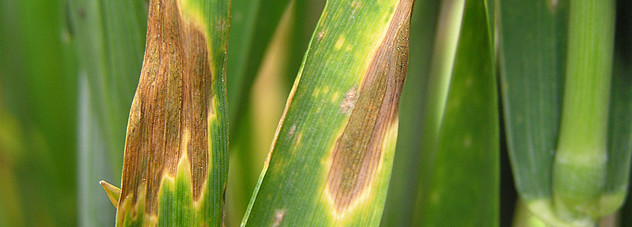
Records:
x=252, y=143
x=620, y=118
x=533, y=51
x=114, y=193
x=110, y=39
x=532, y=66
x=253, y=24
x=622, y=112
x=464, y=144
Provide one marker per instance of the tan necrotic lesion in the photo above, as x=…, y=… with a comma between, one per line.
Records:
x=170, y=108
x=358, y=150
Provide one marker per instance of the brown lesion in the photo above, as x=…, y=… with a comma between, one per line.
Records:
x=357, y=152
x=173, y=97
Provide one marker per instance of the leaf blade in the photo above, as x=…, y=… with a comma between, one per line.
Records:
x=462, y=135
x=332, y=103
x=176, y=149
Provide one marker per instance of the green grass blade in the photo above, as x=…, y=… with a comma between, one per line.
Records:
x=465, y=144
x=252, y=27
x=175, y=166
x=253, y=24
x=110, y=40
x=532, y=66
x=532, y=59
x=251, y=144
x=620, y=118
x=619, y=137
x=305, y=17
x=331, y=159
x=399, y=207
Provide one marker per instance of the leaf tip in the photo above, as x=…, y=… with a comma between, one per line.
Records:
x=113, y=192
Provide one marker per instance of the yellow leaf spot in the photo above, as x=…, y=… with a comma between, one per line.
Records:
x=340, y=42
x=316, y=92
x=335, y=96
x=356, y=5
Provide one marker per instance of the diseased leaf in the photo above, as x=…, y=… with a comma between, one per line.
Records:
x=399, y=208
x=174, y=172
x=332, y=155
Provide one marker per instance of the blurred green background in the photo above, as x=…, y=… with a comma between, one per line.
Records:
x=68, y=72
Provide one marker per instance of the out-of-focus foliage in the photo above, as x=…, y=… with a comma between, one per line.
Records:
x=110, y=39
x=68, y=70
x=38, y=129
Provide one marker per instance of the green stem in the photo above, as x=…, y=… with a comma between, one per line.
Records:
x=523, y=217
x=579, y=170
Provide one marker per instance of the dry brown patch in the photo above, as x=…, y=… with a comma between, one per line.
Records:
x=170, y=107
x=358, y=150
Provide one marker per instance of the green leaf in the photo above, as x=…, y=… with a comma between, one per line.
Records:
x=532, y=66
x=110, y=42
x=38, y=83
x=251, y=143
x=114, y=193
x=619, y=137
x=620, y=118
x=532, y=61
x=461, y=119
x=333, y=151
x=253, y=23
